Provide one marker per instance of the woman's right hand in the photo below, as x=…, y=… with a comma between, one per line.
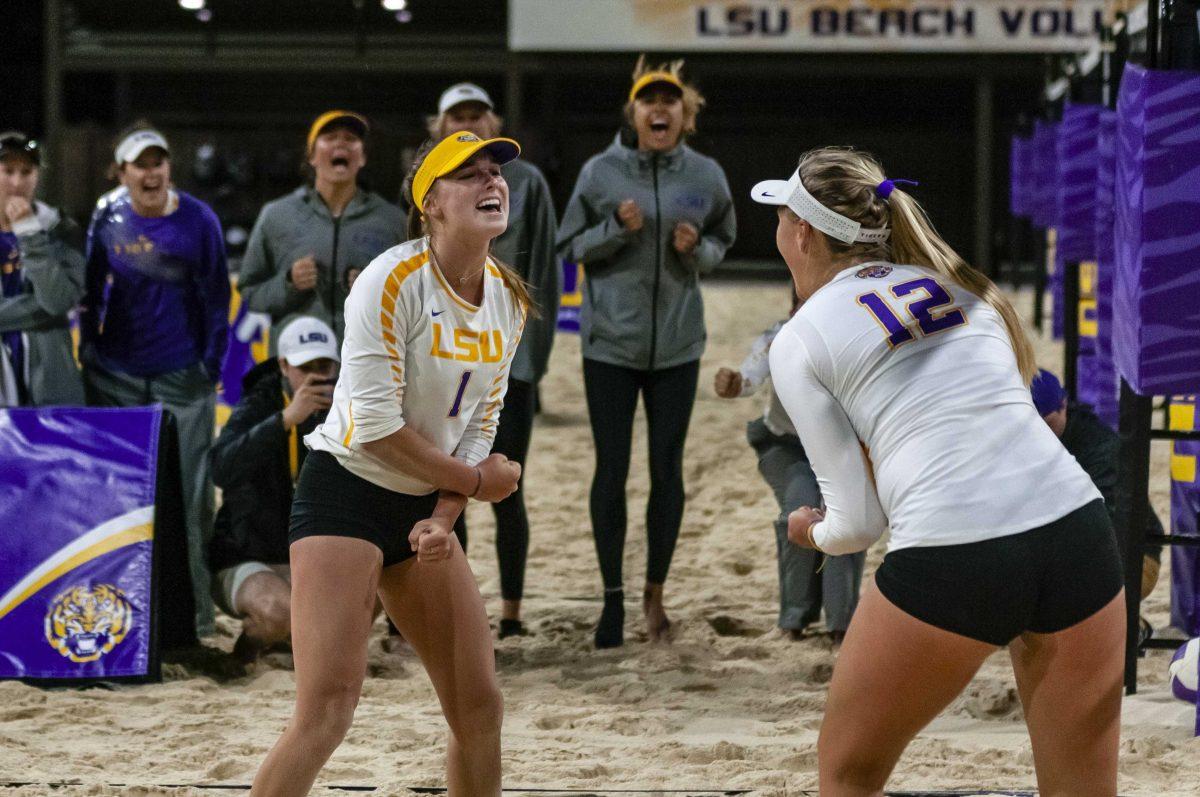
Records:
x=498, y=477
x=630, y=215
x=728, y=383
x=304, y=273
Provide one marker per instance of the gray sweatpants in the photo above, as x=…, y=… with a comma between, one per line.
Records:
x=802, y=590
x=191, y=399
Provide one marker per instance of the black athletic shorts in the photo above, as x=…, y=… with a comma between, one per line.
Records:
x=332, y=501
x=1042, y=580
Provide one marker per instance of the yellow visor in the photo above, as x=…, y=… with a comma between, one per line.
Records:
x=453, y=151
x=355, y=121
x=654, y=77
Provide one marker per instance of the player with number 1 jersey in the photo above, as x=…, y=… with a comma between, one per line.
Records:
x=412, y=341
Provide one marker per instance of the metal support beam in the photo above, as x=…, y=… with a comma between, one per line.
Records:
x=984, y=132
x=1132, y=507
x=52, y=188
x=1070, y=278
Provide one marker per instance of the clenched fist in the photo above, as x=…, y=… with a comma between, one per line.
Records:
x=728, y=383
x=630, y=215
x=685, y=238
x=304, y=273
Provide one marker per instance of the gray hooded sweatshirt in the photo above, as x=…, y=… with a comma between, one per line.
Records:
x=641, y=299
x=298, y=225
x=528, y=246
x=52, y=265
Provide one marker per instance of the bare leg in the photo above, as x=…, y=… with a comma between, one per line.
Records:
x=658, y=625
x=334, y=580
x=438, y=608
x=1070, y=685
x=894, y=674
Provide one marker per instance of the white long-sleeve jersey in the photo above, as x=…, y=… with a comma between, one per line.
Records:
x=756, y=373
x=922, y=373
x=416, y=354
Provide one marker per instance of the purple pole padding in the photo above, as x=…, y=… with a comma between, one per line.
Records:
x=77, y=509
x=1076, y=159
x=1156, y=286
x=1020, y=175
x=1105, y=375
x=1043, y=200
x=1185, y=507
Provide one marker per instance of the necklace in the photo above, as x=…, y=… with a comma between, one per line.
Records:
x=437, y=261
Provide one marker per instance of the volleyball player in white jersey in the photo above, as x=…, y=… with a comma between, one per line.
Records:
x=998, y=537
x=431, y=327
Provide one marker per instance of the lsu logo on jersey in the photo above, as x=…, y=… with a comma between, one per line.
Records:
x=83, y=624
x=877, y=271
x=467, y=346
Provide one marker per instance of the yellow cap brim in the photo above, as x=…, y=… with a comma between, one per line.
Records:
x=329, y=117
x=453, y=151
x=654, y=77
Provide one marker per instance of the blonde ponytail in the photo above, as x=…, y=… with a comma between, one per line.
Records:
x=914, y=241
x=844, y=180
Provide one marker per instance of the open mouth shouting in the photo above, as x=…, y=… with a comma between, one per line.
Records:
x=491, y=205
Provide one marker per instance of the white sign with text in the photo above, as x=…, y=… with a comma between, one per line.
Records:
x=806, y=25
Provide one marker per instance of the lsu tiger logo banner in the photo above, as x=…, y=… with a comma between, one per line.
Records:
x=77, y=493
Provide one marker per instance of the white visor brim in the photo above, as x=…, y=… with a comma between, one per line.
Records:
x=791, y=192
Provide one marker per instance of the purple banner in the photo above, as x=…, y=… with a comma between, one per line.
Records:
x=248, y=346
x=1056, y=287
x=76, y=537
x=1043, y=200
x=1185, y=506
x=1020, y=175
x=1075, y=193
x=1156, y=287
x=1105, y=373
x=572, y=297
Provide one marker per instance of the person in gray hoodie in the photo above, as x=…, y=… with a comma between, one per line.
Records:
x=528, y=247
x=41, y=281
x=307, y=247
x=646, y=220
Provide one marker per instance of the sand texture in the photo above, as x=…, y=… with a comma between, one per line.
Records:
x=731, y=704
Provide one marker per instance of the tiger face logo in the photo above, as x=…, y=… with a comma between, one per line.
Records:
x=83, y=624
x=873, y=272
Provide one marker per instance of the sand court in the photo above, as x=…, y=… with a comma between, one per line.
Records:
x=730, y=707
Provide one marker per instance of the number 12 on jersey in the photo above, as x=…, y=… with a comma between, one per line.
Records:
x=920, y=310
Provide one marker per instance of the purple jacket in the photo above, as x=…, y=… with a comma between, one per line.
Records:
x=157, y=289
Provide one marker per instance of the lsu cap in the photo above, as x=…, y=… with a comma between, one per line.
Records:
x=137, y=142
x=791, y=192
x=453, y=151
x=463, y=92
x=356, y=122
x=306, y=339
x=650, y=79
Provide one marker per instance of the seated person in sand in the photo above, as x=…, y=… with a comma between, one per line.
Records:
x=255, y=462
x=808, y=579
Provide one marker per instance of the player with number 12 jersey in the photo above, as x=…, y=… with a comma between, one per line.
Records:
x=413, y=343
x=923, y=372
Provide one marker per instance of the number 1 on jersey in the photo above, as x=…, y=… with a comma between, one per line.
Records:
x=458, y=397
x=920, y=310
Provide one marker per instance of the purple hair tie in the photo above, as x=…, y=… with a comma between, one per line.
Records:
x=885, y=189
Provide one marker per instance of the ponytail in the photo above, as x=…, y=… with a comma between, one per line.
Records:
x=914, y=241
x=845, y=180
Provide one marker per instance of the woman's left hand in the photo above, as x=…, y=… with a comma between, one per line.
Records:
x=432, y=539
x=799, y=523
x=685, y=238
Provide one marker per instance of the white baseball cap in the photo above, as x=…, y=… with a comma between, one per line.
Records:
x=463, y=92
x=791, y=192
x=138, y=142
x=306, y=339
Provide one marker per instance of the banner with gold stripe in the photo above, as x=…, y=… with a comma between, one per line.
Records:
x=1185, y=518
x=77, y=495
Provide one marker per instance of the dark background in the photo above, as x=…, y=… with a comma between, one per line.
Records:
x=243, y=87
